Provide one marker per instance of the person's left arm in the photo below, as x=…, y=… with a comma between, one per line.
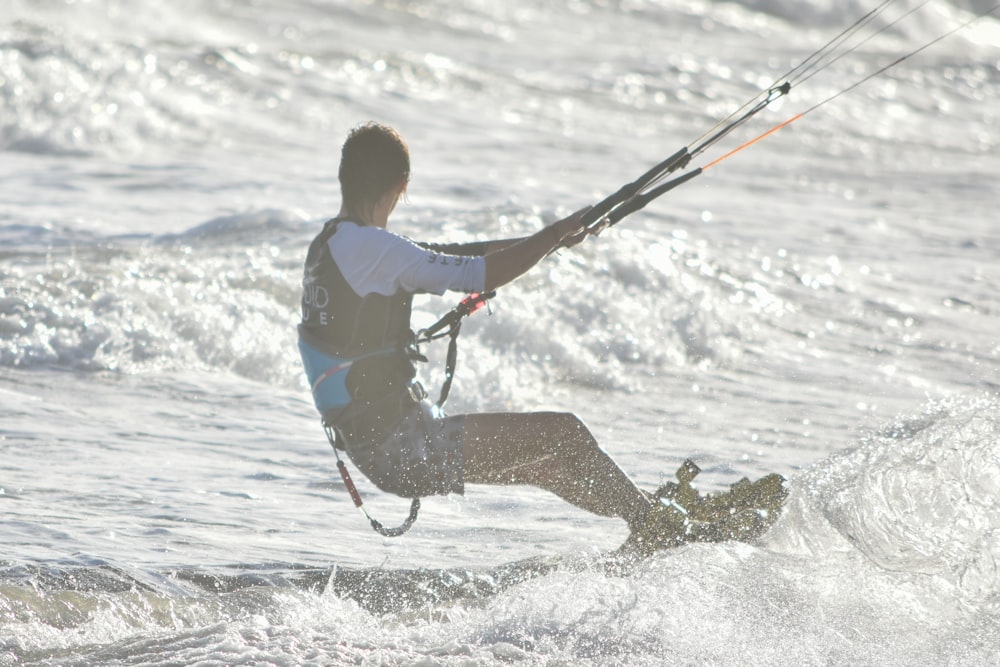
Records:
x=484, y=248
x=473, y=249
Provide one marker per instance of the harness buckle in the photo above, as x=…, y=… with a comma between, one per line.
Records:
x=416, y=391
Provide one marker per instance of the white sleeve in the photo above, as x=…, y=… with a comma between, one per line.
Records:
x=373, y=259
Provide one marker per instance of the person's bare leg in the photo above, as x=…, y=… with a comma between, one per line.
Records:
x=553, y=451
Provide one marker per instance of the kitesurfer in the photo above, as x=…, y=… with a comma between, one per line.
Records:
x=356, y=345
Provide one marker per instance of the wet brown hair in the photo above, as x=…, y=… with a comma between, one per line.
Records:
x=373, y=161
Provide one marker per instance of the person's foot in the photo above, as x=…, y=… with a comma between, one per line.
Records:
x=664, y=526
x=679, y=514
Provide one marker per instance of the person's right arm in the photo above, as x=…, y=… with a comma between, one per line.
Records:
x=375, y=260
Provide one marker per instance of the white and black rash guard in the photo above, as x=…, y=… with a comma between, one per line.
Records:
x=358, y=287
x=375, y=260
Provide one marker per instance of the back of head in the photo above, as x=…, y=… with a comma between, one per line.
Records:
x=373, y=161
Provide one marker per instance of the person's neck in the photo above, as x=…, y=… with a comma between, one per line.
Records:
x=377, y=217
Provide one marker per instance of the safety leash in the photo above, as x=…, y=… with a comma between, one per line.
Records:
x=377, y=526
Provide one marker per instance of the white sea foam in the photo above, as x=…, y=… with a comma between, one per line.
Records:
x=822, y=305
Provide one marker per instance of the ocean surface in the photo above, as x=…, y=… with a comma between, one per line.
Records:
x=822, y=305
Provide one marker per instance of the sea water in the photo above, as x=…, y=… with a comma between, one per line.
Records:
x=822, y=305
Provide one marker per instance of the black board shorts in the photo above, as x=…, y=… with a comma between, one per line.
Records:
x=420, y=456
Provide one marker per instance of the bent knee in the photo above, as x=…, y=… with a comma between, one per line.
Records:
x=566, y=419
x=566, y=425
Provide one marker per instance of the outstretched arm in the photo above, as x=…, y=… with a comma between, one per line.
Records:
x=484, y=248
x=513, y=257
x=473, y=249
